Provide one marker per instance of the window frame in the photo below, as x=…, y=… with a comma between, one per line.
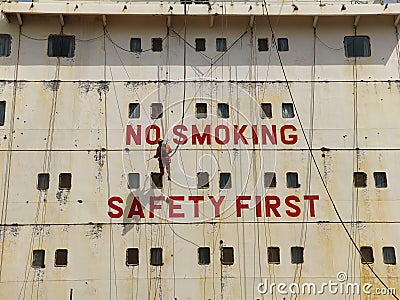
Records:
x=133, y=174
x=228, y=184
x=221, y=45
x=198, y=44
x=259, y=44
x=156, y=256
x=200, y=258
x=38, y=263
x=355, y=52
x=56, y=258
x=47, y=181
x=134, y=41
x=134, y=110
x=283, y=47
x=135, y=253
x=7, y=42
x=61, y=181
x=157, y=44
x=207, y=184
x=61, y=54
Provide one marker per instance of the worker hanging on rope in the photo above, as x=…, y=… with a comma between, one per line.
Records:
x=162, y=153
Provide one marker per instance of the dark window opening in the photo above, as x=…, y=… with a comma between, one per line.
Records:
x=43, y=181
x=357, y=46
x=287, y=110
x=38, y=259
x=201, y=110
x=204, y=255
x=266, y=110
x=200, y=45
x=223, y=110
x=156, y=110
x=61, y=258
x=360, y=179
x=156, y=257
x=64, y=181
x=283, y=44
x=273, y=255
x=262, y=44
x=227, y=256
x=136, y=45
x=269, y=179
x=134, y=110
x=203, y=180
x=225, y=181
x=292, y=180
x=132, y=257
x=156, y=44
x=5, y=45
x=2, y=112
x=389, y=255
x=61, y=46
x=380, y=179
x=221, y=44
x=297, y=255
x=367, y=255
x=156, y=180
x=133, y=180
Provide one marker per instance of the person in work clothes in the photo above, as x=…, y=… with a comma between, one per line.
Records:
x=162, y=153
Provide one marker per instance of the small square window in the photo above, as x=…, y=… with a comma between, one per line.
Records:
x=297, y=255
x=5, y=45
x=389, y=255
x=43, y=181
x=156, y=180
x=360, y=179
x=156, y=44
x=269, y=179
x=136, y=45
x=61, y=46
x=38, y=259
x=380, y=179
x=64, y=181
x=203, y=180
x=283, y=44
x=61, y=258
x=225, y=181
x=2, y=112
x=357, y=46
x=367, y=255
x=227, y=256
x=263, y=44
x=292, y=180
x=204, y=255
x=223, y=110
x=287, y=110
x=266, y=110
x=156, y=110
x=132, y=257
x=134, y=110
x=133, y=180
x=273, y=255
x=221, y=44
x=156, y=257
x=200, y=45
x=201, y=110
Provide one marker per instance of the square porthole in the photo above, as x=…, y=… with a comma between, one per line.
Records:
x=223, y=110
x=263, y=44
x=283, y=44
x=156, y=180
x=61, y=46
x=156, y=110
x=156, y=256
x=266, y=110
x=273, y=255
x=61, y=258
x=200, y=45
x=201, y=110
x=133, y=180
x=360, y=179
x=132, y=257
x=367, y=255
x=156, y=44
x=203, y=180
x=38, y=258
x=270, y=180
x=292, y=180
x=287, y=110
x=297, y=255
x=134, y=110
x=64, y=181
x=227, y=256
x=380, y=179
x=43, y=181
x=204, y=255
x=389, y=255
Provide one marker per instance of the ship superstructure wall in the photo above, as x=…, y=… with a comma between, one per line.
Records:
x=71, y=115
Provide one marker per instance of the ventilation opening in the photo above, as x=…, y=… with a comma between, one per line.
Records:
x=134, y=110
x=204, y=255
x=203, y=180
x=389, y=255
x=380, y=179
x=367, y=255
x=136, y=45
x=156, y=257
x=43, y=181
x=223, y=110
x=200, y=45
x=225, y=181
x=64, y=181
x=360, y=179
x=263, y=44
x=227, y=257
x=273, y=255
x=269, y=180
x=266, y=110
x=38, y=259
x=156, y=44
x=156, y=180
x=292, y=180
x=132, y=257
x=201, y=110
x=133, y=180
x=297, y=255
x=61, y=46
x=156, y=110
x=61, y=258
